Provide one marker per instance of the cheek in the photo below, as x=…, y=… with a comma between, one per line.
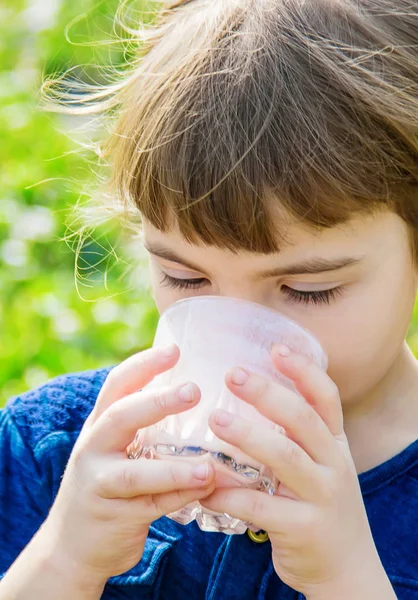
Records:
x=365, y=339
x=163, y=295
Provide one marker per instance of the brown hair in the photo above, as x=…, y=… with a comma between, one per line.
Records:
x=233, y=108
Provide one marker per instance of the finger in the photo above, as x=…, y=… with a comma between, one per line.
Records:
x=133, y=374
x=130, y=478
x=314, y=384
x=117, y=426
x=290, y=464
x=271, y=513
x=288, y=409
x=148, y=508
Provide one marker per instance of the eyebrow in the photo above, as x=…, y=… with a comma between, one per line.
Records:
x=308, y=267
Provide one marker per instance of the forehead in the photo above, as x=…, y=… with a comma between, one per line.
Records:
x=361, y=235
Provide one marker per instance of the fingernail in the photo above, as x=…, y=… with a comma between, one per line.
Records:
x=187, y=393
x=239, y=376
x=201, y=472
x=283, y=350
x=168, y=350
x=223, y=418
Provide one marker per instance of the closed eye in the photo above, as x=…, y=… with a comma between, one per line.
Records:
x=314, y=297
x=182, y=284
x=317, y=297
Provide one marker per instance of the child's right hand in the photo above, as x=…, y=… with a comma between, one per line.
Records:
x=100, y=519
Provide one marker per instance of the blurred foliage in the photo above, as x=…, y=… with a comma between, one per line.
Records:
x=50, y=325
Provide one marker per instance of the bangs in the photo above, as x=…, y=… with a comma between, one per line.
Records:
x=267, y=115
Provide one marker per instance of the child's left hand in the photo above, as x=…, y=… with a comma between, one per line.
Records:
x=316, y=522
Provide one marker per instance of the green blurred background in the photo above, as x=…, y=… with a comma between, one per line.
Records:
x=50, y=325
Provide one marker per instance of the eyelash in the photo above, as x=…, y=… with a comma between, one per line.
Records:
x=319, y=297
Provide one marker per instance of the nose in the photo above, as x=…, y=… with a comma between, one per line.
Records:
x=250, y=294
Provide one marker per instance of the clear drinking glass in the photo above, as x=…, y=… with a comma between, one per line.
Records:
x=215, y=334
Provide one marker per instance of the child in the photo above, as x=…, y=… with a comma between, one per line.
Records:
x=271, y=148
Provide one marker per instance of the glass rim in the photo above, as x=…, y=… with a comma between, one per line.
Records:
x=257, y=305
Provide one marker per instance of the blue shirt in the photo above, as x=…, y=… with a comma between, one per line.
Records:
x=37, y=432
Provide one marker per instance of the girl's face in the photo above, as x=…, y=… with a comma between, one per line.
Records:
x=352, y=286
